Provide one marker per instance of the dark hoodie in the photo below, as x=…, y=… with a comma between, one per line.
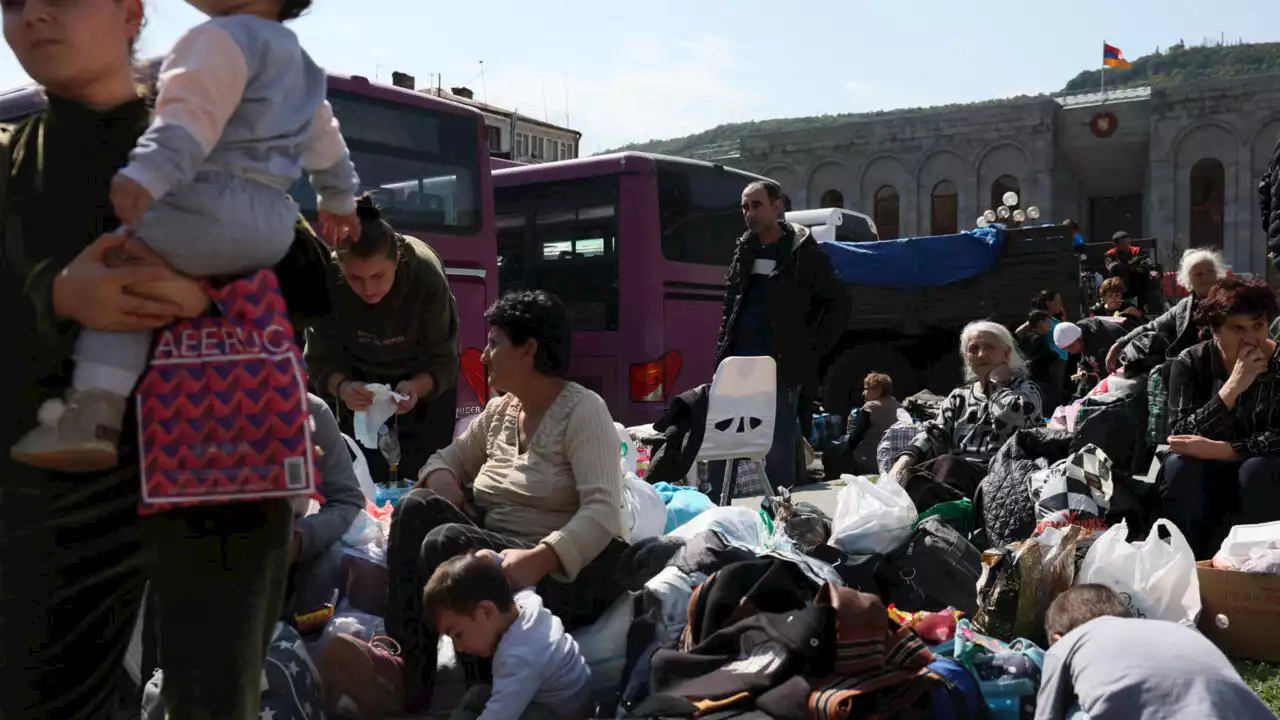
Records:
x=808, y=305
x=413, y=330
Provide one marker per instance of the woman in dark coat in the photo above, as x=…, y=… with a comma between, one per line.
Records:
x=74, y=554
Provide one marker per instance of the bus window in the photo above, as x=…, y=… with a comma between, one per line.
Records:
x=700, y=211
x=418, y=180
x=562, y=237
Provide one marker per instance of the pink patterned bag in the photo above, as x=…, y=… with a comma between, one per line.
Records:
x=223, y=413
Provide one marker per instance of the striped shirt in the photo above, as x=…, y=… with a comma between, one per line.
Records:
x=1252, y=426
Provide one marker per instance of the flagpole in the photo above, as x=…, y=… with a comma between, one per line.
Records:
x=1103, y=73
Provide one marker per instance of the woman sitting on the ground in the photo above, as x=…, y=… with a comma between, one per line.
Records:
x=1198, y=270
x=536, y=477
x=949, y=458
x=879, y=412
x=1224, y=465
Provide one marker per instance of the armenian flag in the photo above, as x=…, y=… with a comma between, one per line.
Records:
x=1112, y=57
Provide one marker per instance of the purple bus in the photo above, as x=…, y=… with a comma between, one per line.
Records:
x=426, y=161
x=636, y=246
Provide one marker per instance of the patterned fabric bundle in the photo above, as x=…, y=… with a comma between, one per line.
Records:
x=1074, y=491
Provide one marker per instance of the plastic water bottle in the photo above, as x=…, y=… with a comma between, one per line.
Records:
x=389, y=445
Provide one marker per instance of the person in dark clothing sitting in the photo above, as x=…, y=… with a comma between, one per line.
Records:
x=1224, y=464
x=1198, y=270
x=1131, y=265
x=1035, y=342
x=1088, y=340
x=880, y=411
x=1114, y=304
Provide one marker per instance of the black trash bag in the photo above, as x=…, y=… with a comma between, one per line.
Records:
x=1003, y=505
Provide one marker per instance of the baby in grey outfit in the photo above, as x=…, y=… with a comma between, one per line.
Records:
x=240, y=114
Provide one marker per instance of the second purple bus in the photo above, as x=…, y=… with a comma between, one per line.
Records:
x=636, y=246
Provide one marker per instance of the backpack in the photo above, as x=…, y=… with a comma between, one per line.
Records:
x=935, y=569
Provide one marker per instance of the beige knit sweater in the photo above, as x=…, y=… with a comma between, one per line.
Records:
x=565, y=490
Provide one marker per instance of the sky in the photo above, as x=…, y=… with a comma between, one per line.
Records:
x=627, y=72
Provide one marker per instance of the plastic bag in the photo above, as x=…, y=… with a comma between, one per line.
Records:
x=626, y=450
x=871, y=517
x=361, y=466
x=603, y=643
x=364, y=531
x=1242, y=541
x=738, y=525
x=683, y=503
x=1019, y=582
x=348, y=620
x=806, y=524
x=646, y=514
x=1156, y=579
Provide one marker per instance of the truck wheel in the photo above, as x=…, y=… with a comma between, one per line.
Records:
x=842, y=391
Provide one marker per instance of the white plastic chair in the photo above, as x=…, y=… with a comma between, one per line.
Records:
x=740, y=417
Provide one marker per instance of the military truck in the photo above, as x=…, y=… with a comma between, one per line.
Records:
x=907, y=324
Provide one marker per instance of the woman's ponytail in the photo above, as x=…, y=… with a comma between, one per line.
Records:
x=377, y=238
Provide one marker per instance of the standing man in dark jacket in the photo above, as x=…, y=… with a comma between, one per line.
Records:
x=782, y=299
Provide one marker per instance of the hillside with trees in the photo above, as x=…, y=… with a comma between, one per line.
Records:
x=1180, y=64
x=1175, y=64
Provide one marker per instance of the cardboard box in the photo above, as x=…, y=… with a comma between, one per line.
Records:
x=1248, y=604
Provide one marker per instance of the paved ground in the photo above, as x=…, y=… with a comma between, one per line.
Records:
x=822, y=494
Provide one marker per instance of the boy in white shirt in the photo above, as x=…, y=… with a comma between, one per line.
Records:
x=538, y=671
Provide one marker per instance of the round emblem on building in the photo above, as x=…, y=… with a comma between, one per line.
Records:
x=1104, y=124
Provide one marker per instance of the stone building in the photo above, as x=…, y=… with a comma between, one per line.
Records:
x=1179, y=163
x=512, y=136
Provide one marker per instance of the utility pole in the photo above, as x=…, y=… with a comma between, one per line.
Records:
x=483, y=88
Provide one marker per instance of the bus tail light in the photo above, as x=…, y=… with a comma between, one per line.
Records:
x=472, y=369
x=652, y=381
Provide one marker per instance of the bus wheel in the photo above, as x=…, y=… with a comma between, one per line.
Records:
x=842, y=391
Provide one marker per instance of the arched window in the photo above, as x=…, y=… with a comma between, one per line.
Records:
x=831, y=199
x=886, y=212
x=944, y=209
x=1208, y=186
x=1002, y=185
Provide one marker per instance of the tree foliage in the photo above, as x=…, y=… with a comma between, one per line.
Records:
x=1181, y=64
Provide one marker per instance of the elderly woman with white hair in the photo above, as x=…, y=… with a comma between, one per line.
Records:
x=1198, y=270
x=949, y=458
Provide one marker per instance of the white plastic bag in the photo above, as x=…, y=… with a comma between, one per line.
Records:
x=603, y=643
x=739, y=525
x=646, y=514
x=1156, y=579
x=361, y=466
x=626, y=449
x=871, y=517
x=365, y=531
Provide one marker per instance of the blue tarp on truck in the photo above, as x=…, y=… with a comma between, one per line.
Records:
x=917, y=262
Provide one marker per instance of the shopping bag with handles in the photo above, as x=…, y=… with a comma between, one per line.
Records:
x=223, y=414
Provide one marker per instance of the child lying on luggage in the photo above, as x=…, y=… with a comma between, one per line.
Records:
x=538, y=671
x=1104, y=665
